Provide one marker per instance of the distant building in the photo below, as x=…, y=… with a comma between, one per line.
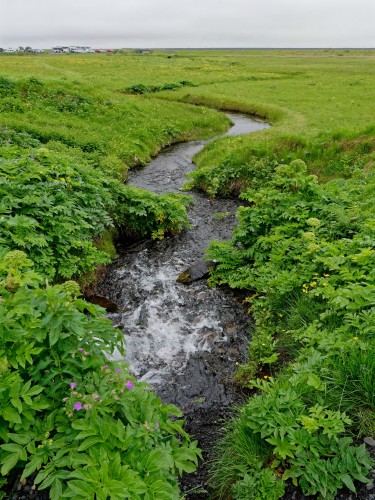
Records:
x=60, y=50
x=79, y=49
x=72, y=49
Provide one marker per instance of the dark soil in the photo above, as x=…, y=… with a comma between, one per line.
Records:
x=203, y=424
x=24, y=490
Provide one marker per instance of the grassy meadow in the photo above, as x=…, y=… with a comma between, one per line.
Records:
x=71, y=126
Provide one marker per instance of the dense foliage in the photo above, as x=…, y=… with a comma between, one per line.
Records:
x=250, y=167
x=68, y=414
x=55, y=204
x=81, y=421
x=306, y=252
x=140, y=88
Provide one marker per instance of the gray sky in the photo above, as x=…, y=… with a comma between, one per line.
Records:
x=189, y=23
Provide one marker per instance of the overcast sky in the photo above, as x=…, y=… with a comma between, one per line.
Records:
x=189, y=23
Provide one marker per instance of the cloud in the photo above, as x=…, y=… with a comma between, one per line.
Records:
x=155, y=23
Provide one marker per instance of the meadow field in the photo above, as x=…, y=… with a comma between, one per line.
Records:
x=71, y=127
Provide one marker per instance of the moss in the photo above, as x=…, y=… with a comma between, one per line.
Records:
x=106, y=243
x=184, y=278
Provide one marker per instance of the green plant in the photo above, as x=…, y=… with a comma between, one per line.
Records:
x=141, y=213
x=81, y=422
x=61, y=208
x=53, y=206
x=140, y=88
x=306, y=252
x=259, y=486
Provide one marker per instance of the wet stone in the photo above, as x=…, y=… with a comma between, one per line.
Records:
x=370, y=441
x=197, y=271
x=101, y=301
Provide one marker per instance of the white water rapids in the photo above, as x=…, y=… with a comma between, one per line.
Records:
x=182, y=339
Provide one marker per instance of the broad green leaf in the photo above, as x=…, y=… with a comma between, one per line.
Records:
x=347, y=480
x=90, y=441
x=56, y=490
x=314, y=381
x=9, y=462
x=34, y=464
x=11, y=415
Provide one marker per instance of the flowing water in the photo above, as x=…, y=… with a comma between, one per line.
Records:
x=184, y=340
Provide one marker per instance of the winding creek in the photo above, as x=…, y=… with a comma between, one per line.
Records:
x=183, y=340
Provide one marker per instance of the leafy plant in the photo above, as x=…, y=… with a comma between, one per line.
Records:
x=81, y=422
x=306, y=253
x=55, y=204
x=258, y=486
x=141, y=88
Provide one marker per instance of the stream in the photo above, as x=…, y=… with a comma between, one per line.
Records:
x=185, y=340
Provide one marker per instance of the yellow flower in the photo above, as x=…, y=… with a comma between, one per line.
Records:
x=355, y=338
x=313, y=283
x=325, y=284
x=326, y=275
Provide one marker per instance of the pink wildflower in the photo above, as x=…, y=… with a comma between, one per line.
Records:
x=72, y=385
x=78, y=406
x=129, y=384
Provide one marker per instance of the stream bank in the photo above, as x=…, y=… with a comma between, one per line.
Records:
x=183, y=340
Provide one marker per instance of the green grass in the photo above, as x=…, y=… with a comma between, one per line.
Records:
x=113, y=128
x=303, y=249
x=320, y=103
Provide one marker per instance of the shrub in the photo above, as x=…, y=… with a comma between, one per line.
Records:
x=306, y=253
x=140, y=88
x=80, y=421
x=54, y=204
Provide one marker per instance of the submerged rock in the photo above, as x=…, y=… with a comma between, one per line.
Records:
x=197, y=271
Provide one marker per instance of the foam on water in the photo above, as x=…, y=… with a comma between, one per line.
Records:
x=165, y=321
x=185, y=340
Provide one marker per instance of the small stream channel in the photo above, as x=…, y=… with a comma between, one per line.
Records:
x=183, y=340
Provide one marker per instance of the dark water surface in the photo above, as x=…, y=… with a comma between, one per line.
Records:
x=184, y=340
